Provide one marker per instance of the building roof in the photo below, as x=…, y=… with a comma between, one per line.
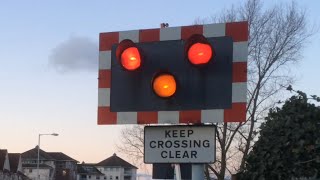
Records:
x=88, y=169
x=59, y=156
x=33, y=154
x=115, y=161
x=14, y=159
x=3, y=153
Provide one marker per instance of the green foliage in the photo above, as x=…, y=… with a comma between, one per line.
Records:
x=289, y=143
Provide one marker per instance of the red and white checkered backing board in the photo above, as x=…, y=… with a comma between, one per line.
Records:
x=237, y=30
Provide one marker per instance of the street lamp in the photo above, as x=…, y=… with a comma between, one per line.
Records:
x=38, y=161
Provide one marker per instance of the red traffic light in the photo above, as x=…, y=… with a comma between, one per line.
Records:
x=130, y=58
x=199, y=53
x=128, y=55
x=164, y=85
x=198, y=50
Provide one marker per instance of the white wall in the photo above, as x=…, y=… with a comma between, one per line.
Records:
x=5, y=176
x=6, y=163
x=19, y=169
x=134, y=174
x=44, y=173
x=49, y=163
x=112, y=172
x=117, y=171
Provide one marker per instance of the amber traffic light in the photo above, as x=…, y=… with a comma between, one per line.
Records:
x=164, y=85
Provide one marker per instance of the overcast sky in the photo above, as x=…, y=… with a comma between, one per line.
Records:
x=48, y=66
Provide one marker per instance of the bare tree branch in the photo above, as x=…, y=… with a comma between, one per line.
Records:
x=277, y=36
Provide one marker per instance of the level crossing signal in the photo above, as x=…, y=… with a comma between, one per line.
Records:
x=192, y=74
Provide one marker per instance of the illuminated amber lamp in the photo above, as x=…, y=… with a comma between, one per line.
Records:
x=164, y=85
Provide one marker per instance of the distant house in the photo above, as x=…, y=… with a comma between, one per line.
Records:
x=45, y=171
x=46, y=164
x=16, y=167
x=115, y=168
x=88, y=172
x=4, y=165
x=52, y=165
x=10, y=166
x=66, y=167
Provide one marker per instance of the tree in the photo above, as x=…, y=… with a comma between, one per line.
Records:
x=276, y=38
x=289, y=143
x=132, y=142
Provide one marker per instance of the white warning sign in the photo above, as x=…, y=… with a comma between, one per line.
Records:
x=179, y=144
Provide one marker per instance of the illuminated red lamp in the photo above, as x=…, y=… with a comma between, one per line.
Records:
x=130, y=58
x=199, y=53
x=199, y=50
x=129, y=55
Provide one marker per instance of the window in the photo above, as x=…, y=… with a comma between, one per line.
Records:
x=98, y=177
x=83, y=176
x=105, y=177
x=30, y=170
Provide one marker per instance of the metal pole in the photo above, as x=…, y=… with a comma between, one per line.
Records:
x=178, y=171
x=197, y=171
x=38, y=161
x=38, y=174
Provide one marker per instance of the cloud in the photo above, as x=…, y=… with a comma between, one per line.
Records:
x=75, y=54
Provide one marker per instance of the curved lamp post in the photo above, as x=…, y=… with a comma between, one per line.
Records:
x=38, y=161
